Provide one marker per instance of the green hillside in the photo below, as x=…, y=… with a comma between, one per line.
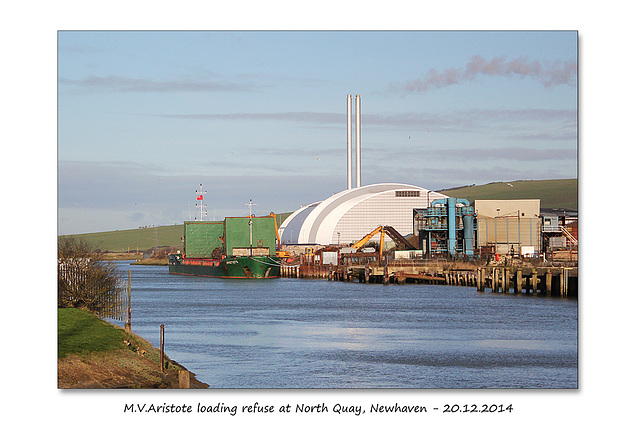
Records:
x=140, y=239
x=553, y=193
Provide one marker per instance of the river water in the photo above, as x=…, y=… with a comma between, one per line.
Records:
x=316, y=334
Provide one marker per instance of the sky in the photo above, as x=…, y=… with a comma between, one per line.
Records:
x=145, y=117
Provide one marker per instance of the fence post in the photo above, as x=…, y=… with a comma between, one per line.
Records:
x=127, y=326
x=162, y=348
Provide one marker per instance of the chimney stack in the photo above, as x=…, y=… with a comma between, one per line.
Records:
x=358, y=142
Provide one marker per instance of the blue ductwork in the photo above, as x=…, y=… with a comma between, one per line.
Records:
x=451, y=225
x=467, y=224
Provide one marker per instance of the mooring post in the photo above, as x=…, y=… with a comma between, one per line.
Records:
x=162, y=348
x=401, y=278
x=505, y=281
x=481, y=280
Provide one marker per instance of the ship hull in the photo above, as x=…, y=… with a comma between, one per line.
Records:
x=240, y=267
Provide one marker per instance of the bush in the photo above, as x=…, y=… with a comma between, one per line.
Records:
x=85, y=280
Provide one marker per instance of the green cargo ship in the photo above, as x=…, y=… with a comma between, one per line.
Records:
x=239, y=248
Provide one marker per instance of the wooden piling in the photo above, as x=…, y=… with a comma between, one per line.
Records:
x=481, y=283
x=401, y=279
x=184, y=379
x=534, y=281
x=548, y=278
x=518, y=282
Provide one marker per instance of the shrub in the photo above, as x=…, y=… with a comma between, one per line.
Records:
x=85, y=280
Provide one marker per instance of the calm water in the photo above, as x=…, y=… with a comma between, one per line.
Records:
x=288, y=333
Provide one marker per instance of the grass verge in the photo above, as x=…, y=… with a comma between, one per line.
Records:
x=80, y=331
x=93, y=353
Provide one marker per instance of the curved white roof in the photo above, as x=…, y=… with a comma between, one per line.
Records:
x=349, y=215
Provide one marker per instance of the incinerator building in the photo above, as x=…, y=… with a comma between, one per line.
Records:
x=349, y=215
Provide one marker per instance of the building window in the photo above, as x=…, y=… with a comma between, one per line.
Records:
x=408, y=193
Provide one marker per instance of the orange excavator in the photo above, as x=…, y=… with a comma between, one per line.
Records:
x=399, y=240
x=279, y=253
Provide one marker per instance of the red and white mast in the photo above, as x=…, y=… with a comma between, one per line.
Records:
x=200, y=198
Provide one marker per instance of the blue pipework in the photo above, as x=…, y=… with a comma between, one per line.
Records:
x=446, y=218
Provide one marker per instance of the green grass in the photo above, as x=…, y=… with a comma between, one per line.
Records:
x=140, y=239
x=81, y=332
x=554, y=193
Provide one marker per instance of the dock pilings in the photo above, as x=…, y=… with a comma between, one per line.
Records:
x=514, y=280
x=549, y=281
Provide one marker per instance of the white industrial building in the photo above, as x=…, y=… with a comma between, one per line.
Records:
x=349, y=215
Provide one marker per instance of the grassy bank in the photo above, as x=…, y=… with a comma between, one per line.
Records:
x=141, y=239
x=553, y=193
x=81, y=332
x=152, y=261
x=93, y=353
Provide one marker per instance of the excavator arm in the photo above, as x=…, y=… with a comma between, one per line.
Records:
x=360, y=243
x=400, y=241
x=279, y=253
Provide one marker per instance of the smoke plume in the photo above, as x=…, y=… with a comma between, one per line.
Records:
x=548, y=73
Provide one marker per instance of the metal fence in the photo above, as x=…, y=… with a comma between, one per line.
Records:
x=107, y=301
x=116, y=305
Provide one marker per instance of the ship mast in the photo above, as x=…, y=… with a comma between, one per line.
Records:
x=251, y=205
x=200, y=197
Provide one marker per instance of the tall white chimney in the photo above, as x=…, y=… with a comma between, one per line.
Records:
x=349, y=142
x=358, y=146
x=349, y=148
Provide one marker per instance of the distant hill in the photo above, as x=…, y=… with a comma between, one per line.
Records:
x=142, y=239
x=553, y=193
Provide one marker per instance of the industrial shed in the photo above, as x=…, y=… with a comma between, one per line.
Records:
x=347, y=216
x=509, y=226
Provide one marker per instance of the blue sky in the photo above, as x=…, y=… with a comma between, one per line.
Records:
x=144, y=118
